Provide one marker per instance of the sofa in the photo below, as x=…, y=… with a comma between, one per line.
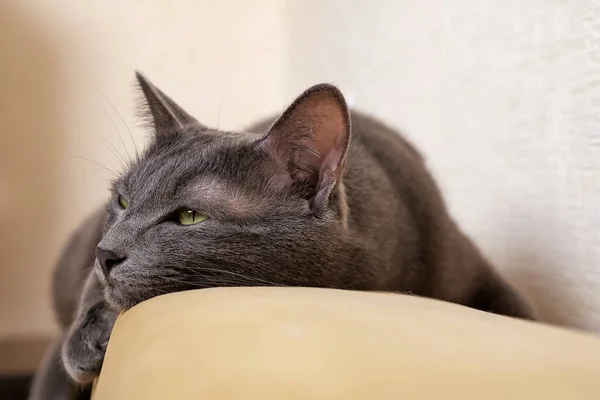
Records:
x=308, y=343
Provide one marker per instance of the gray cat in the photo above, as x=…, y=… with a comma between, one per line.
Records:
x=320, y=197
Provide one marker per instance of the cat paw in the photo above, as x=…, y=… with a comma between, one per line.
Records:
x=84, y=348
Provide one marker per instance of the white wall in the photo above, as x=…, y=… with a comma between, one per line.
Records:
x=223, y=60
x=503, y=97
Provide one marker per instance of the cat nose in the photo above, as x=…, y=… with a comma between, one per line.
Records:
x=108, y=259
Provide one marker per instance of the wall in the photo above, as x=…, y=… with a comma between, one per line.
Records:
x=503, y=98
x=62, y=62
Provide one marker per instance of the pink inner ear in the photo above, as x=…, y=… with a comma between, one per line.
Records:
x=323, y=116
x=311, y=137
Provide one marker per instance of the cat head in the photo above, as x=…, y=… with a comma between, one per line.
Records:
x=203, y=208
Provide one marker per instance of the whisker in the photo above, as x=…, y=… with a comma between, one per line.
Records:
x=219, y=283
x=82, y=271
x=102, y=170
x=98, y=164
x=114, y=155
x=197, y=284
x=108, y=142
x=119, y=134
x=111, y=119
x=120, y=117
x=196, y=273
x=248, y=278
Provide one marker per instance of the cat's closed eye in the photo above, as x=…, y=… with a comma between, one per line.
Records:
x=190, y=217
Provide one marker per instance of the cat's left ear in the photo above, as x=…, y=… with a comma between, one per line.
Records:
x=165, y=115
x=310, y=141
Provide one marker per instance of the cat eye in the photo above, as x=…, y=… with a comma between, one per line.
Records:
x=123, y=202
x=190, y=217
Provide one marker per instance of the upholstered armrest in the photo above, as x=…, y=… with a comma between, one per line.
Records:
x=299, y=343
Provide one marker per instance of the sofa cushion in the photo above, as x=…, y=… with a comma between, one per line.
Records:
x=303, y=343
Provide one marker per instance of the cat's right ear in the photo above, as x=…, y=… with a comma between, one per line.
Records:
x=309, y=143
x=164, y=114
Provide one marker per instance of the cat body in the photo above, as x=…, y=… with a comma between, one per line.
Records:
x=319, y=197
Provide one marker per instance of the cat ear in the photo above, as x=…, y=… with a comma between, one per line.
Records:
x=310, y=142
x=165, y=115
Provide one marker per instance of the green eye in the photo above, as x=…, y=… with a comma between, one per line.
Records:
x=123, y=202
x=191, y=217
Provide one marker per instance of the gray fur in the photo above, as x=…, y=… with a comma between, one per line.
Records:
x=74, y=269
x=322, y=197
x=75, y=263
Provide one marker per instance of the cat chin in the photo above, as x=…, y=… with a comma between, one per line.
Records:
x=117, y=295
x=79, y=375
x=118, y=300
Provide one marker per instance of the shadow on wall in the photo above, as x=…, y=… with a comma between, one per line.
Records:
x=556, y=300
x=31, y=150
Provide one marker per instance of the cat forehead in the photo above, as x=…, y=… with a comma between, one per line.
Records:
x=225, y=166
x=193, y=139
x=192, y=152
